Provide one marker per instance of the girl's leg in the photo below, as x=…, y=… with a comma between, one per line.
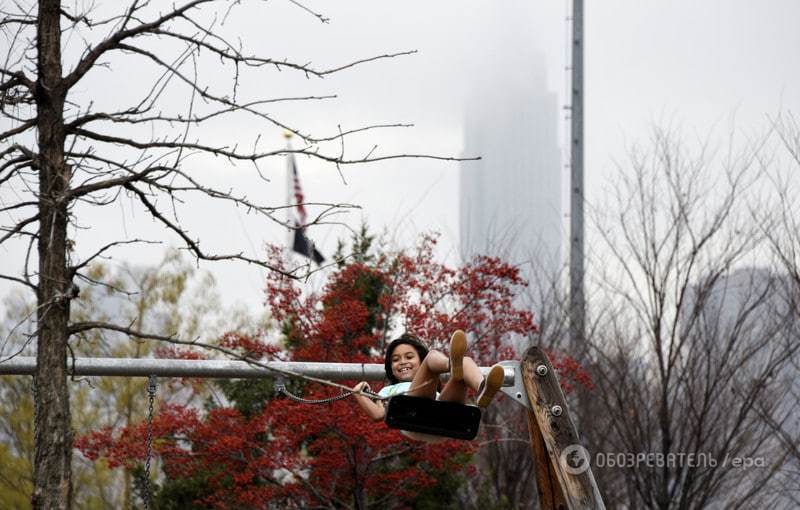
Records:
x=485, y=388
x=456, y=390
x=464, y=374
x=458, y=348
x=426, y=380
x=490, y=385
x=472, y=374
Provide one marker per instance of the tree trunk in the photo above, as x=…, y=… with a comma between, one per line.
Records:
x=53, y=437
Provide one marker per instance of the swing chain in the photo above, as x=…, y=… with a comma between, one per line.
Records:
x=280, y=389
x=151, y=395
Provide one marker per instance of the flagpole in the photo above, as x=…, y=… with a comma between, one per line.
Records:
x=289, y=189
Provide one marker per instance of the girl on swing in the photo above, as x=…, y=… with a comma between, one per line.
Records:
x=413, y=370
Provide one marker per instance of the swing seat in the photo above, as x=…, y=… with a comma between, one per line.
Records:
x=436, y=417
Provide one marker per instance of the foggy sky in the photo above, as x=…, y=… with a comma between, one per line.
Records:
x=698, y=65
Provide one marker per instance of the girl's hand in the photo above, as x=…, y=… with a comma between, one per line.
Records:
x=363, y=385
x=372, y=409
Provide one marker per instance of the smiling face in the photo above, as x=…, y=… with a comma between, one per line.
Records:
x=405, y=362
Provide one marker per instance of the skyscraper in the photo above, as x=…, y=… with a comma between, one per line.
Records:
x=510, y=200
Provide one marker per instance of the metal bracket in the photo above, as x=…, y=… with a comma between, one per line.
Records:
x=516, y=390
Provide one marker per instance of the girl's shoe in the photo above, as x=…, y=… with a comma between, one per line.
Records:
x=458, y=348
x=490, y=385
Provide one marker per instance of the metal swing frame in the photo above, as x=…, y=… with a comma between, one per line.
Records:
x=531, y=382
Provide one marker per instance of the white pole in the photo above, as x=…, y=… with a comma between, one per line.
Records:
x=214, y=369
x=289, y=190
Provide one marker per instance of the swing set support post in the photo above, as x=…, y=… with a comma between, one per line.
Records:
x=564, y=476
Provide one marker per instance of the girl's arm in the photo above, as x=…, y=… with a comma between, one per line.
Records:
x=374, y=410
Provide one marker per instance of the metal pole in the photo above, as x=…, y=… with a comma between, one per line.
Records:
x=290, y=213
x=214, y=369
x=577, y=303
x=230, y=369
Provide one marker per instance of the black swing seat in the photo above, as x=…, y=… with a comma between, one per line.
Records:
x=436, y=417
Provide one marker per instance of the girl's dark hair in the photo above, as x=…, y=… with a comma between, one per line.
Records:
x=408, y=339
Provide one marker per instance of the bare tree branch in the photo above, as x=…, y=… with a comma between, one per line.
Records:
x=80, y=327
x=18, y=228
x=18, y=280
x=73, y=270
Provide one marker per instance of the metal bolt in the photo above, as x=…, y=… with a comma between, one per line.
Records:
x=519, y=395
x=541, y=370
x=556, y=410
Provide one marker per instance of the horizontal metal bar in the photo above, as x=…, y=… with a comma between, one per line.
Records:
x=223, y=369
x=215, y=369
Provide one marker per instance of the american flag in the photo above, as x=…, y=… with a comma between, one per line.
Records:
x=298, y=192
x=301, y=244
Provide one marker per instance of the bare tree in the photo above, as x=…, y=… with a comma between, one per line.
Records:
x=692, y=335
x=62, y=152
x=783, y=235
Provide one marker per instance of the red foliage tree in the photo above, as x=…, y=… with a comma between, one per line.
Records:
x=272, y=452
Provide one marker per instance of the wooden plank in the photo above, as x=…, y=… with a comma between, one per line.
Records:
x=551, y=497
x=558, y=434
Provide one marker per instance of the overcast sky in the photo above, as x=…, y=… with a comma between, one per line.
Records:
x=699, y=65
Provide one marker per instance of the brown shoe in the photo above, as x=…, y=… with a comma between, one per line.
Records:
x=458, y=348
x=490, y=385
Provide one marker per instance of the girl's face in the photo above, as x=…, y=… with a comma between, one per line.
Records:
x=405, y=362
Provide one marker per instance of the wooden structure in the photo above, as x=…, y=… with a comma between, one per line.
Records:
x=564, y=476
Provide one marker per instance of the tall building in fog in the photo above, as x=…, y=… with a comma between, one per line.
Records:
x=510, y=200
